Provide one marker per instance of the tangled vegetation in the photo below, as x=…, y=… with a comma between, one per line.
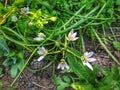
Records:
x=55, y=31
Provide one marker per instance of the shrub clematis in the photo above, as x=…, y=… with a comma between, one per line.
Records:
x=43, y=52
x=72, y=36
x=40, y=37
x=24, y=10
x=63, y=65
x=14, y=18
x=86, y=58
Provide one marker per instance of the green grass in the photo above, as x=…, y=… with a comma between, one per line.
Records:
x=55, y=19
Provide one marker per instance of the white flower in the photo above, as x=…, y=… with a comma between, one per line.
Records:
x=14, y=19
x=86, y=58
x=72, y=36
x=40, y=37
x=63, y=65
x=24, y=10
x=43, y=52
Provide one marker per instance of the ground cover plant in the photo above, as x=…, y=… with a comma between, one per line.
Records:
x=56, y=32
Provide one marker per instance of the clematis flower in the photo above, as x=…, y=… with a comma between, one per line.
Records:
x=72, y=36
x=43, y=52
x=63, y=65
x=86, y=58
x=14, y=18
x=24, y=10
x=40, y=37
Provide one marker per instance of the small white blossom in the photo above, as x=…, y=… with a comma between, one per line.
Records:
x=24, y=10
x=40, y=37
x=63, y=65
x=14, y=18
x=86, y=58
x=43, y=52
x=72, y=36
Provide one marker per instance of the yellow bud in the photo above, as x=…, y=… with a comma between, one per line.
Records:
x=53, y=19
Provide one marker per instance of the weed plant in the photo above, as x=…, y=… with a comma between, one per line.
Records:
x=55, y=31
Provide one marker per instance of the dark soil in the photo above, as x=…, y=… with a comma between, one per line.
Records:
x=42, y=80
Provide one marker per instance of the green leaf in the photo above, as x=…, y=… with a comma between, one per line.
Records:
x=7, y=62
x=1, y=69
x=105, y=71
x=13, y=71
x=79, y=69
x=81, y=86
x=20, y=60
x=11, y=53
x=117, y=2
x=59, y=83
x=3, y=46
x=116, y=45
x=66, y=79
x=18, y=3
x=117, y=88
x=1, y=7
x=20, y=64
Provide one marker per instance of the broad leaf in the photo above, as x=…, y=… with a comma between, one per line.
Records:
x=59, y=83
x=18, y=3
x=116, y=45
x=3, y=46
x=13, y=71
x=78, y=68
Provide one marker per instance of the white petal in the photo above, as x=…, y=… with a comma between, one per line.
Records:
x=74, y=34
x=89, y=54
x=41, y=49
x=38, y=38
x=84, y=63
x=67, y=67
x=89, y=66
x=70, y=33
x=62, y=67
x=74, y=39
x=59, y=65
x=41, y=57
x=91, y=59
x=67, y=38
x=86, y=53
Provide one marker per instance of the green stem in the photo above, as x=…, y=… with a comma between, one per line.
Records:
x=29, y=60
x=76, y=24
x=103, y=45
x=112, y=31
x=14, y=33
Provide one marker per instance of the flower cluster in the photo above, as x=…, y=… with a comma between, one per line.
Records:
x=86, y=58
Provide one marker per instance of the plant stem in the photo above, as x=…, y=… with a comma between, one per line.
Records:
x=103, y=45
x=29, y=60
